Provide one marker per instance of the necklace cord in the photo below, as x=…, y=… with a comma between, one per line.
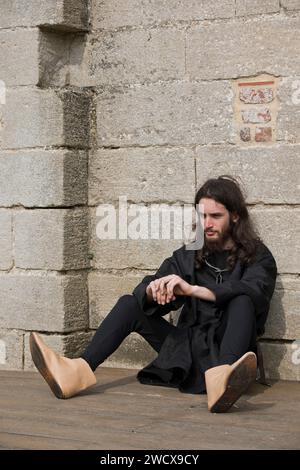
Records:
x=219, y=277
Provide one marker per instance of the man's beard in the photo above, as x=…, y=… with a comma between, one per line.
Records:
x=217, y=244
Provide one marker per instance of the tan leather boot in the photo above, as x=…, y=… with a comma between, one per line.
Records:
x=66, y=377
x=225, y=384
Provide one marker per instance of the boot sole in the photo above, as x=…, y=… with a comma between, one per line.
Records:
x=40, y=364
x=239, y=381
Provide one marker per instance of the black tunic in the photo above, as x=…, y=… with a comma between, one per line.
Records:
x=190, y=349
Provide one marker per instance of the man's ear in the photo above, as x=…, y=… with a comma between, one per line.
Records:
x=234, y=217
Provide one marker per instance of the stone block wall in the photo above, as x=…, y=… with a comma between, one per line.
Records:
x=144, y=99
x=44, y=143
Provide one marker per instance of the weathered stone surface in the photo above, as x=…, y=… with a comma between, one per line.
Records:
x=141, y=254
x=113, y=14
x=40, y=123
x=256, y=7
x=279, y=229
x=265, y=173
x=43, y=301
x=282, y=360
x=132, y=253
x=163, y=113
x=289, y=111
x=128, y=57
x=110, y=14
x=290, y=4
x=142, y=175
x=284, y=317
x=76, y=113
x=38, y=178
x=47, y=118
x=51, y=239
x=133, y=353
x=57, y=14
x=21, y=65
x=11, y=349
x=104, y=291
x=54, y=57
x=71, y=345
x=6, y=258
x=230, y=50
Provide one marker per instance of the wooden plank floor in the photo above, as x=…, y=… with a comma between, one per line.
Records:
x=120, y=413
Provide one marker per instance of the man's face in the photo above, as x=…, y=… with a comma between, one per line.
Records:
x=215, y=220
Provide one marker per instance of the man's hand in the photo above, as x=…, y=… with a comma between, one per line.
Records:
x=163, y=290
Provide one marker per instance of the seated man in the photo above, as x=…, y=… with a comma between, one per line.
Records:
x=225, y=290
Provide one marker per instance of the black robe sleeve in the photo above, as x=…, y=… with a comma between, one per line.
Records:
x=169, y=266
x=257, y=281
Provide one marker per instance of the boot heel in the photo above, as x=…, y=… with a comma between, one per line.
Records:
x=238, y=383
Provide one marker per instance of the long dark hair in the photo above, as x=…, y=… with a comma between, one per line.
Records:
x=226, y=190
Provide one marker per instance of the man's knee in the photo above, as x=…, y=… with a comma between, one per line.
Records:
x=130, y=303
x=127, y=297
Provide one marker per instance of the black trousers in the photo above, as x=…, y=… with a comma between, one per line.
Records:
x=236, y=336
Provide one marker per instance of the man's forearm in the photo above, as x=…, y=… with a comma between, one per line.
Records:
x=197, y=291
x=203, y=293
